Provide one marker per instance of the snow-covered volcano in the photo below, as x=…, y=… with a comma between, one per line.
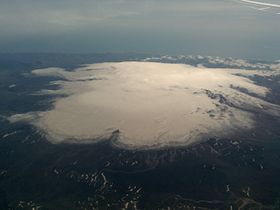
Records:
x=148, y=104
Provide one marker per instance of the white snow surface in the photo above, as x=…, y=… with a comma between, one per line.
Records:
x=149, y=104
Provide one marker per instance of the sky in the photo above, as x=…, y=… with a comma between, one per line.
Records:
x=205, y=27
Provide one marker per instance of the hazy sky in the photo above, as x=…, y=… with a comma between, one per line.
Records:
x=207, y=27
